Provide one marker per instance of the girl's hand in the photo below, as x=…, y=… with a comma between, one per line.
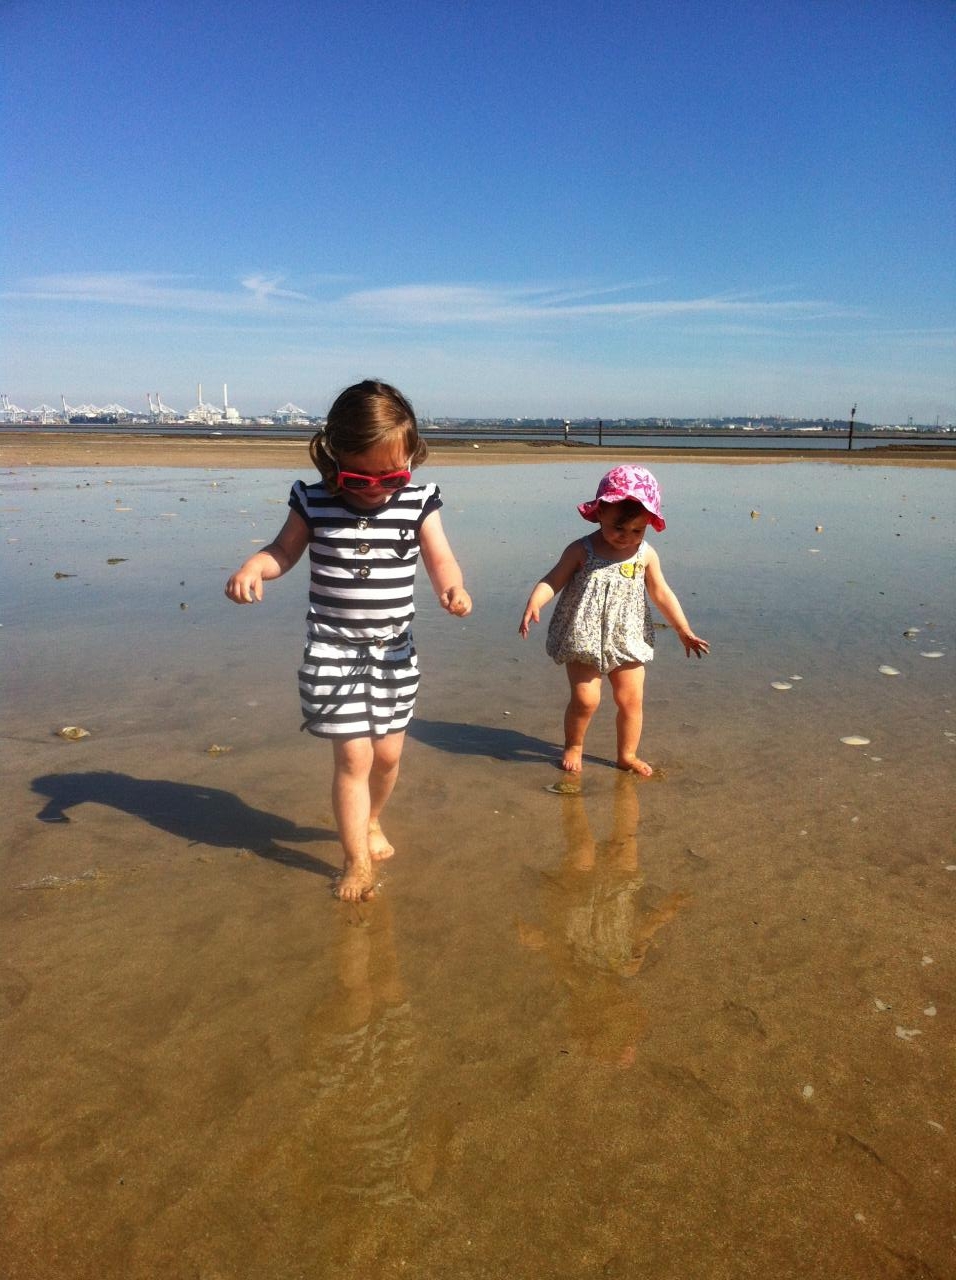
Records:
x=245, y=587
x=457, y=601
x=692, y=642
x=530, y=615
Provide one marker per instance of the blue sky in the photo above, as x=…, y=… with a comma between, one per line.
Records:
x=506, y=208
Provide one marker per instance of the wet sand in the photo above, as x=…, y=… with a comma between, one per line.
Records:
x=698, y=1026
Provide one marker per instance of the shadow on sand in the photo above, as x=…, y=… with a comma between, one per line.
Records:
x=198, y=815
x=480, y=740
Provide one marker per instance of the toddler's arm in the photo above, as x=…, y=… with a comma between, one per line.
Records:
x=443, y=569
x=555, y=580
x=669, y=606
x=245, y=585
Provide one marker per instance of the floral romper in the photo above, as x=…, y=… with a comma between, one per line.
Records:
x=602, y=616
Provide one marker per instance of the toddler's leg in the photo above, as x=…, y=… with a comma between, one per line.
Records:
x=351, y=803
x=386, y=757
x=585, y=697
x=627, y=682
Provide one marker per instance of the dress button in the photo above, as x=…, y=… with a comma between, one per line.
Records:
x=364, y=548
x=363, y=523
x=364, y=571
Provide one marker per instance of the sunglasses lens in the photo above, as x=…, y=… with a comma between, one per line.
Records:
x=358, y=483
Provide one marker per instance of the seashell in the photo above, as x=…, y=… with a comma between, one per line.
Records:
x=905, y=1033
x=564, y=788
x=754, y=515
x=888, y=671
x=780, y=684
x=854, y=740
x=912, y=631
x=72, y=732
x=217, y=750
x=818, y=528
x=796, y=677
x=934, y=653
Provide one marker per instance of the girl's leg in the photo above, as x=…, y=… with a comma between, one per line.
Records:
x=627, y=683
x=386, y=757
x=585, y=685
x=351, y=803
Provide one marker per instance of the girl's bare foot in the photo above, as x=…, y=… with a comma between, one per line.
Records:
x=379, y=847
x=571, y=760
x=635, y=765
x=357, y=884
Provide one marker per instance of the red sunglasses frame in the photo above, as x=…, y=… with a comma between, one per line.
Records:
x=391, y=480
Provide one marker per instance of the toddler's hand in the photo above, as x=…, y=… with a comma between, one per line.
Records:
x=695, y=643
x=530, y=615
x=456, y=601
x=244, y=588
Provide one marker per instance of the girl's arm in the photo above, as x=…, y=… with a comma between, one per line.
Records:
x=443, y=570
x=669, y=606
x=555, y=580
x=245, y=585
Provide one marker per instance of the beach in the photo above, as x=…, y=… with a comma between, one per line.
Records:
x=699, y=1025
x=53, y=449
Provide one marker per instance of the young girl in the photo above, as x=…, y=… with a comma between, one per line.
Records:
x=602, y=625
x=364, y=524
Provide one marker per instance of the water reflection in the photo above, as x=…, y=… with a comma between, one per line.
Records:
x=597, y=927
x=369, y=1139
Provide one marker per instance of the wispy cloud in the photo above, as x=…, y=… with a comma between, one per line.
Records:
x=412, y=306
x=157, y=292
x=454, y=304
x=265, y=287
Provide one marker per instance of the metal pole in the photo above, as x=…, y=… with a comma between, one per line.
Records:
x=600, y=431
x=849, y=442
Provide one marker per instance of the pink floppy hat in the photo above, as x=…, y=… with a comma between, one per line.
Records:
x=623, y=482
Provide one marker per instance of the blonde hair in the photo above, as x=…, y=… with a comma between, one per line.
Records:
x=363, y=416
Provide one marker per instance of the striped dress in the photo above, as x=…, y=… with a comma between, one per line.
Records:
x=359, y=672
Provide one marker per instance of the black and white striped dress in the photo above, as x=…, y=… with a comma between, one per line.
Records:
x=359, y=672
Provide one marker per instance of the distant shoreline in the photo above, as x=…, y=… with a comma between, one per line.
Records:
x=89, y=449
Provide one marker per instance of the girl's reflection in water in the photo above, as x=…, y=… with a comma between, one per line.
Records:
x=368, y=1140
x=596, y=931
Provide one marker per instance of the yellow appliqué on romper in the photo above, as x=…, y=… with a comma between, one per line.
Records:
x=628, y=569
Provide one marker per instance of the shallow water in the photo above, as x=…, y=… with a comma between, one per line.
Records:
x=673, y=1028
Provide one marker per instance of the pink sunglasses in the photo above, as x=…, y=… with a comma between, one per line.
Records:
x=357, y=480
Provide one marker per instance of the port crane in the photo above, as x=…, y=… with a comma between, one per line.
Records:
x=11, y=412
x=160, y=412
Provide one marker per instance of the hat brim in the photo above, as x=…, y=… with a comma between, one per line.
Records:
x=590, y=512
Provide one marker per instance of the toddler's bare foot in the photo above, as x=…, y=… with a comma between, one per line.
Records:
x=571, y=760
x=635, y=765
x=379, y=847
x=357, y=884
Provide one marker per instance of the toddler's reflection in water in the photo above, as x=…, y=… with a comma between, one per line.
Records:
x=368, y=1140
x=596, y=931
